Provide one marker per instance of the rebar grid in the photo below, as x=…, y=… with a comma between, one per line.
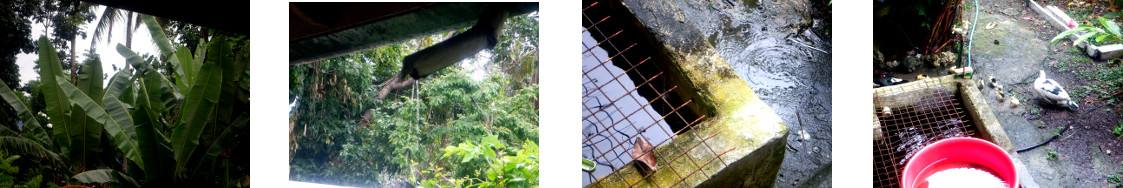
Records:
x=607, y=128
x=916, y=117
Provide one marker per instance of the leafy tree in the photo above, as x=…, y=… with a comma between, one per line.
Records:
x=16, y=39
x=341, y=134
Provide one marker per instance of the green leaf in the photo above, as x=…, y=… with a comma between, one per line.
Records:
x=58, y=104
x=169, y=94
x=158, y=36
x=90, y=80
x=1111, y=27
x=185, y=69
x=221, y=143
x=133, y=59
x=468, y=157
x=1084, y=37
x=85, y=135
x=200, y=56
x=153, y=82
x=1076, y=30
x=119, y=83
x=197, y=110
x=120, y=136
x=120, y=111
x=105, y=176
x=153, y=147
x=25, y=115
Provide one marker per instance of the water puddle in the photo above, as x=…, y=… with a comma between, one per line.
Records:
x=782, y=50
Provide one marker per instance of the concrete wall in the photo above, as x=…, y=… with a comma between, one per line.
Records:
x=737, y=123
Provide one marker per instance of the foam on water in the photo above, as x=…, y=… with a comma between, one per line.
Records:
x=964, y=177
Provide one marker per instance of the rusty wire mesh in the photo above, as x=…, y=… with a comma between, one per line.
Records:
x=615, y=115
x=916, y=117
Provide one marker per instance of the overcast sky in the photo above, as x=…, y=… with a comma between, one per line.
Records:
x=107, y=49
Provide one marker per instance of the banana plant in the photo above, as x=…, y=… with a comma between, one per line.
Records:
x=209, y=96
x=175, y=132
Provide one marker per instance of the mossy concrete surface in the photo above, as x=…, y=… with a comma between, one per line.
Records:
x=738, y=126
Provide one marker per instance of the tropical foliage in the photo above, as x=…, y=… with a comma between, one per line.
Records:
x=1108, y=32
x=453, y=128
x=143, y=128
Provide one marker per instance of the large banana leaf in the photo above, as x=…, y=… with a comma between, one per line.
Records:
x=133, y=59
x=119, y=83
x=106, y=176
x=235, y=101
x=198, y=107
x=185, y=71
x=200, y=56
x=153, y=83
x=90, y=80
x=58, y=104
x=25, y=115
x=189, y=66
x=169, y=94
x=85, y=136
x=119, y=134
x=153, y=145
x=120, y=112
x=114, y=105
x=220, y=144
x=179, y=57
x=87, y=132
x=158, y=36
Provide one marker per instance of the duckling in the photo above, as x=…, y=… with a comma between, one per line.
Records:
x=993, y=82
x=886, y=111
x=921, y=77
x=1014, y=101
x=980, y=85
x=1001, y=96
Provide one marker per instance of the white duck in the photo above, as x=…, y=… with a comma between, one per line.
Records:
x=1052, y=91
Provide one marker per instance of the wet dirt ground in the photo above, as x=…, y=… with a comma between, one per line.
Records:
x=782, y=49
x=1013, y=52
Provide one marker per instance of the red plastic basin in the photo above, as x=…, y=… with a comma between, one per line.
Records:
x=959, y=153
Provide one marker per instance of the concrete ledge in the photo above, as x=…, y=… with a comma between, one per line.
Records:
x=973, y=102
x=975, y=105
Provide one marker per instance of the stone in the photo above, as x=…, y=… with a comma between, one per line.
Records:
x=941, y=59
x=948, y=58
x=911, y=64
x=888, y=65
